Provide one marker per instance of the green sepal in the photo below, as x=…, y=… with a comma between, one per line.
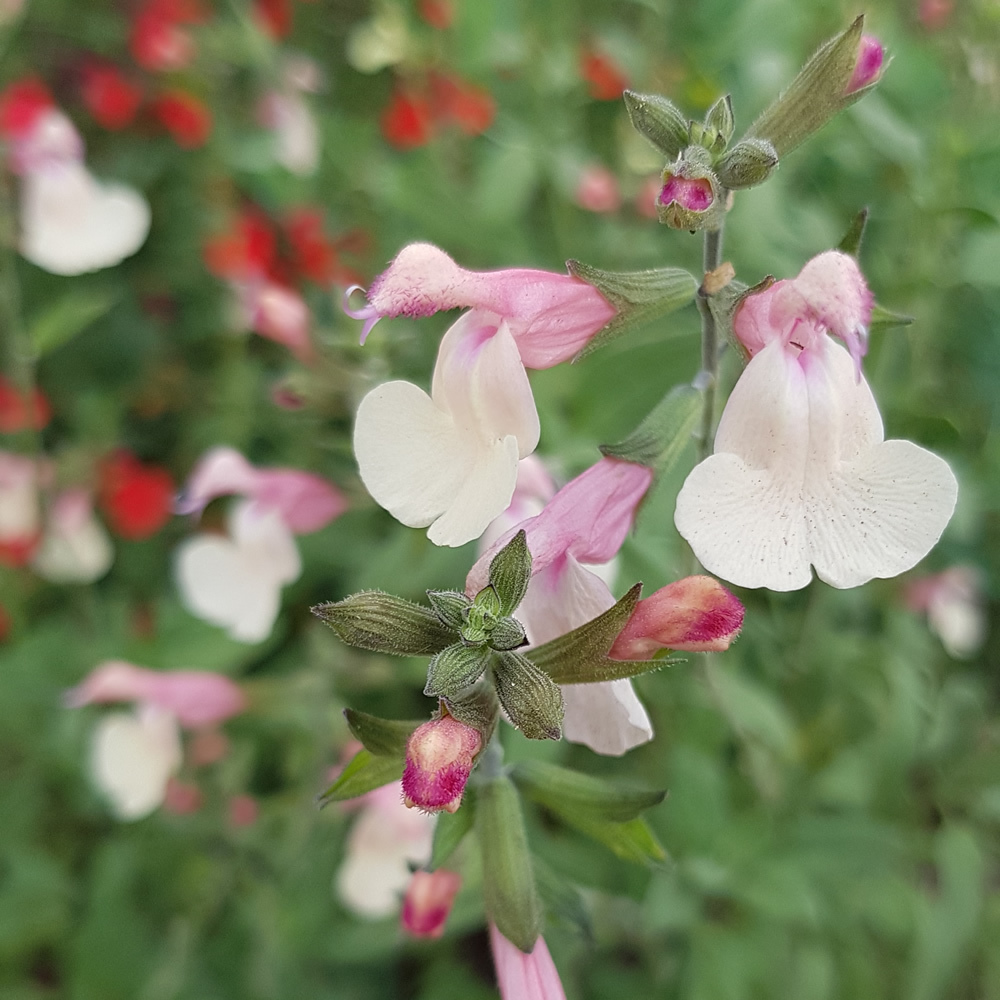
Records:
x=531, y=700
x=365, y=772
x=384, y=623
x=639, y=296
x=748, y=163
x=510, y=573
x=632, y=841
x=477, y=707
x=815, y=95
x=659, y=121
x=723, y=305
x=380, y=737
x=507, y=633
x=455, y=668
x=720, y=118
x=509, y=893
x=450, y=606
x=581, y=656
x=451, y=828
x=563, y=789
x=882, y=319
x=851, y=243
x=664, y=433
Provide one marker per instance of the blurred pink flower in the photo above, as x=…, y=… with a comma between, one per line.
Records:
x=75, y=548
x=428, y=901
x=597, y=190
x=955, y=607
x=243, y=811
x=801, y=474
x=523, y=976
x=20, y=511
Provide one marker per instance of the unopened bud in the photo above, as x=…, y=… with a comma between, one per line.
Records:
x=658, y=120
x=748, y=163
x=439, y=759
x=690, y=197
x=428, y=901
x=696, y=614
x=868, y=68
x=720, y=117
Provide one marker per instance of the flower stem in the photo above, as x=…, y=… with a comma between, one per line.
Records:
x=709, y=374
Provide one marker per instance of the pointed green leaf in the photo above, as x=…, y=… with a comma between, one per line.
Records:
x=562, y=788
x=882, y=319
x=531, y=700
x=455, y=668
x=639, y=296
x=68, y=316
x=509, y=892
x=659, y=441
x=631, y=841
x=380, y=737
x=720, y=117
x=450, y=606
x=851, y=243
x=384, y=623
x=510, y=573
x=451, y=828
x=362, y=774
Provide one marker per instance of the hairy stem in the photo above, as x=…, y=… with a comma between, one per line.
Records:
x=709, y=374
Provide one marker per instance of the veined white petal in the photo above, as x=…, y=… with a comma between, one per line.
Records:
x=71, y=223
x=607, y=717
x=132, y=758
x=800, y=476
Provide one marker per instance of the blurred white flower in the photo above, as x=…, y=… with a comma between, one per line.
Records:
x=296, y=134
x=379, y=42
x=75, y=547
x=133, y=756
x=955, y=609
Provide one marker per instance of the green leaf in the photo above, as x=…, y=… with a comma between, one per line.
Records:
x=563, y=900
x=68, y=316
x=581, y=656
x=384, y=623
x=455, y=668
x=362, y=774
x=660, y=440
x=882, y=319
x=451, y=828
x=851, y=243
x=380, y=737
x=509, y=892
x=815, y=95
x=562, y=788
x=450, y=606
x=630, y=841
x=639, y=296
x=532, y=701
x=510, y=573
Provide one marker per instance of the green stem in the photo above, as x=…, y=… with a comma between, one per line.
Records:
x=490, y=764
x=709, y=374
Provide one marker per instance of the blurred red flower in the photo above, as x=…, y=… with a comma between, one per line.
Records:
x=158, y=40
x=274, y=16
x=21, y=102
x=185, y=117
x=407, y=122
x=469, y=107
x=437, y=13
x=18, y=412
x=136, y=499
x=247, y=251
x=110, y=97
x=605, y=81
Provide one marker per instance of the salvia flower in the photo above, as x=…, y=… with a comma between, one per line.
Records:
x=439, y=759
x=868, y=68
x=695, y=615
x=801, y=473
x=521, y=976
x=571, y=542
x=428, y=901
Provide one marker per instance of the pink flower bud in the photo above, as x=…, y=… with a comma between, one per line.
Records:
x=694, y=194
x=523, y=976
x=696, y=614
x=439, y=758
x=428, y=901
x=868, y=68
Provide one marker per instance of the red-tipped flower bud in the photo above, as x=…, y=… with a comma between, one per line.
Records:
x=696, y=615
x=868, y=68
x=428, y=901
x=439, y=758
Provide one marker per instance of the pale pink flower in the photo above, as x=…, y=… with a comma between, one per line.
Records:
x=449, y=460
x=801, y=473
x=305, y=502
x=580, y=530
x=695, y=615
x=551, y=317
x=385, y=840
x=955, y=608
x=296, y=134
x=20, y=511
x=597, y=190
x=75, y=547
x=428, y=902
x=196, y=698
x=133, y=756
x=523, y=976
x=439, y=759
x=532, y=491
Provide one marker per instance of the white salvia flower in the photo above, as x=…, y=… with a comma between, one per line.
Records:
x=449, y=460
x=801, y=474
x=133, y=756
x=236, y=582
x=75, y=547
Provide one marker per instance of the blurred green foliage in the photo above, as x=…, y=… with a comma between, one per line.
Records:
x=834, y=780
